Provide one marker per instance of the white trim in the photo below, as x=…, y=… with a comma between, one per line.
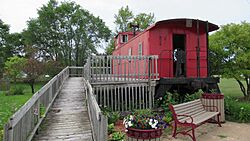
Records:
x=130, y=52
x=140, y=49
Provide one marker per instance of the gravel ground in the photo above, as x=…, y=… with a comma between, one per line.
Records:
x=230, y=131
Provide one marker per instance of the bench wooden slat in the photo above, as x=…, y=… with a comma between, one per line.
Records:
x=202, y=117
x=192, y=114
x=183, y=118
x=189, y=109
x=187, y=103
x=188, y=106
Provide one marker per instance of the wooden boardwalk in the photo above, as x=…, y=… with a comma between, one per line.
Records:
x=68, y=118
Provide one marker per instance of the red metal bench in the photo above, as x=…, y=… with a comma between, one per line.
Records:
x=192, y=114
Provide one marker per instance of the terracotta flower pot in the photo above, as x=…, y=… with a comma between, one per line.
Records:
x=144, y=133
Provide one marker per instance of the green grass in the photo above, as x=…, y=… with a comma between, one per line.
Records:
x=222, y=136
x=237, y=109
x=230, y=87
x=10, y=104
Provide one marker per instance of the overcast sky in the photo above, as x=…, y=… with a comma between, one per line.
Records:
x=17, y=12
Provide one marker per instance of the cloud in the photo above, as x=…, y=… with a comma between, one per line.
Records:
x=17, y=12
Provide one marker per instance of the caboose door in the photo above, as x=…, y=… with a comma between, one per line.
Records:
x=179, y=55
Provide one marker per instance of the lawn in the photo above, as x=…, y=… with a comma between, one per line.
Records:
x=237, y=109
x=10, y=104
x=230, y=88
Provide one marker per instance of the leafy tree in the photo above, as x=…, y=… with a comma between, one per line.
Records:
x=14, y=66
x=1, y=67
x=122, y=21
x=4, y=32
x=52, y=64
x=15, y=44
x=65, y=32
x=123, y=18
x=33, y=68
x=144, y=20
x=111, y=47
x=230, y=46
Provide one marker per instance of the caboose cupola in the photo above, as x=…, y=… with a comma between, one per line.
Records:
x=123, y=37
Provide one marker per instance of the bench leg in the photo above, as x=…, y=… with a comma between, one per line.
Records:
x=174, y=130
x=193, y=134
x=218, y=120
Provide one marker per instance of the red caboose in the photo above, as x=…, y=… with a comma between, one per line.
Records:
x=182, y=48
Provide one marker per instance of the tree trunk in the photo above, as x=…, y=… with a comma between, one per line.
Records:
x=242, y=87
x=77, y=55
x=247, y=79
x=32, y=88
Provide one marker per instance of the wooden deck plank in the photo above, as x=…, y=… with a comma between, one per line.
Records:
x=68, y=117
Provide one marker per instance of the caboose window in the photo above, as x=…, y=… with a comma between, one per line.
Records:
x=124, y=38
x=129, y=51
x=140, y=49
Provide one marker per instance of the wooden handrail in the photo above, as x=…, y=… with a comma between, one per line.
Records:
x=99, y=122
x=23, y=124
x=121, y=68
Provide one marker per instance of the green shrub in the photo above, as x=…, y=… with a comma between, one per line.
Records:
x=236, y=110
x=168, y=117
x=16, y=91
x=164, y=101
x=118, y=136
x=1, y=134
x=113, y=117
x=111, y=128
x=191, y=97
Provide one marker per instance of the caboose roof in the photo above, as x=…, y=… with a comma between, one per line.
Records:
x=182, y=21
x=127, y=33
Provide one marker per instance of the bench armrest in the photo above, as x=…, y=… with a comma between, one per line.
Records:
x=186, y=116
x=215, y=108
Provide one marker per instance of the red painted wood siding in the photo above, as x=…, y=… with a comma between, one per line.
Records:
x=133, y=43
x=158, y=41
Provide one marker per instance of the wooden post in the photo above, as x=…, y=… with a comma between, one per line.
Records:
x=149, y=79
x=6, y=133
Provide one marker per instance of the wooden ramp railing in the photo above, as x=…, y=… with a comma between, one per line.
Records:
x=24, y=123
x=99, y=122
x=121, y=68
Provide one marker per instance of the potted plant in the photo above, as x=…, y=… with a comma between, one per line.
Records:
x=144, y=124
